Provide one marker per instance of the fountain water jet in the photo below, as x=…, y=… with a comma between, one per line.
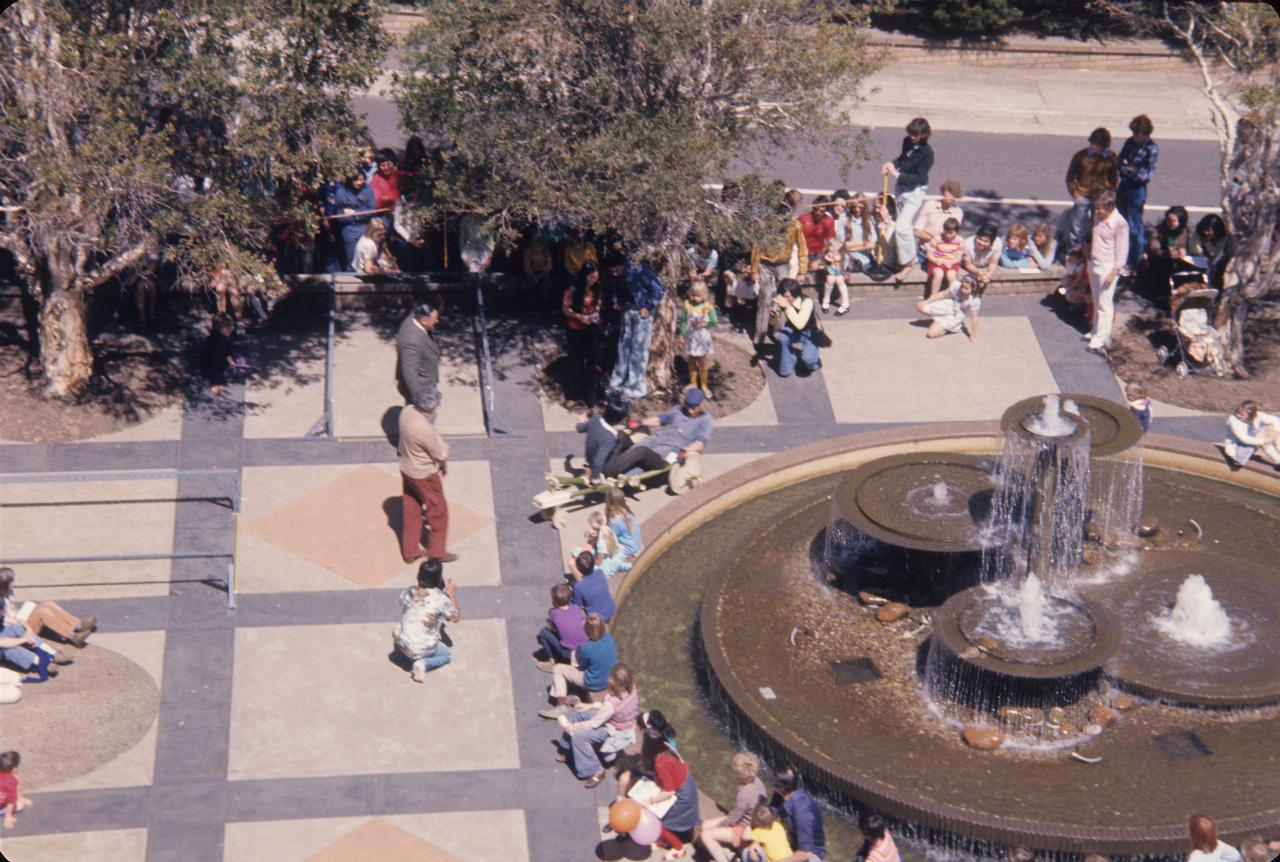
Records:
x=1197, y=618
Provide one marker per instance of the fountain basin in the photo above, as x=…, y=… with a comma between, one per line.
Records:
x=1112, y=427
x=968, y=665
x=891, y=499
x=1244, y=672
x=701, y=584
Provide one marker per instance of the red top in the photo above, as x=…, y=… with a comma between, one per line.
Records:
x=8, y=789
x=386, y=190
x=817, y=232
x=588, y=306
x=672, y=771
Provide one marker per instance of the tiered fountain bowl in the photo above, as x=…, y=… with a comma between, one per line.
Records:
x=724, y=607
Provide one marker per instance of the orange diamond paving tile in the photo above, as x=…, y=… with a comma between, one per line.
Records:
x=380, y=841
x=351, y=526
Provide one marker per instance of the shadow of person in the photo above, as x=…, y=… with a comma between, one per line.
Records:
x=393, y=508
x=621, y=847
x=391, y=424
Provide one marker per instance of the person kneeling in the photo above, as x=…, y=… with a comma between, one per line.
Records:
x=427, y=607
x=799, y=325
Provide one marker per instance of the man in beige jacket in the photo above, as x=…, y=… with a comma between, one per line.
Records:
x=423, y=462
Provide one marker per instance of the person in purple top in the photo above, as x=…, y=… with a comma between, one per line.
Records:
x=564, y=630
x=591, y=586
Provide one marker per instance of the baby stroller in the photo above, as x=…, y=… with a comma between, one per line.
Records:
x=1198, y=347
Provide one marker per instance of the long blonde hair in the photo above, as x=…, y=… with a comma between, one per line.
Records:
x=615, y=506
x=600, y=524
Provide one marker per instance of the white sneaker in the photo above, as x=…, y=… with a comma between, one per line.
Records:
x=419, y=673
x=826, y=306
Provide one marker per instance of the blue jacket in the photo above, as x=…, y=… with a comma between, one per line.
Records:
x=593, y=596
x=600, y=443
x=644, y=289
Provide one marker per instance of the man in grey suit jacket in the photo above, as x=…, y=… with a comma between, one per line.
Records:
x=418, y=354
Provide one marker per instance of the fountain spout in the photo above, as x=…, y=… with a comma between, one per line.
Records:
x=1197, y=618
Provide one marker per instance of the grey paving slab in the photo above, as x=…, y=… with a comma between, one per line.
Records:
x=334, y=606
x=278, y=799
x=190, y=803
x=191, y=740
x=557, y=835
x=87, y=810
x=185, y=842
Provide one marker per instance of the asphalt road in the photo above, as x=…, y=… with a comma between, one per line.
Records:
x=987, y=165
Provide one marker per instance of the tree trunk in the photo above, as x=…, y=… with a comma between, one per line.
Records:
x=1237, y=313
x=65, y=356
x=662, y=348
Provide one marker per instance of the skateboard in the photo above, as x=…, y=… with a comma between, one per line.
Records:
x=564, y=490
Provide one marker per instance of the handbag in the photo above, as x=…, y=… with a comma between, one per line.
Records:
x=819, y=335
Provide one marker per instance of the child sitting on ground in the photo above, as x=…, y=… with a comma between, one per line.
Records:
x=219, y=363
x=11, y=800
x=1075, y=284
x=564, y=631
x=943, y=257
x=611, y=556
x=1139, y=403
x=697, y=319
x=956, y=309
x=833, y=260
x=768, y=837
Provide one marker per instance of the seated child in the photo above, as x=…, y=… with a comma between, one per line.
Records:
x=611, y=555
x=1044, y=247
x=603, y=439
x=11, y=800
x=219, y=363
x=956, y=309
x=768, y=837
x=1016, y=253
x=1075, y=284
x=1250, y=432
x=564, y=631
x=1139, y=403
x=833, y=260
x=944, y=257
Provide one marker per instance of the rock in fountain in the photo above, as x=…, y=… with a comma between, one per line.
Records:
x=1197, y=618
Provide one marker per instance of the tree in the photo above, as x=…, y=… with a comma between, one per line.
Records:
x=1236, y=49
x=161, y=127
x=613, y=114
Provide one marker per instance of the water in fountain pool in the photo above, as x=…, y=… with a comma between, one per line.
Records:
x=1197, y=619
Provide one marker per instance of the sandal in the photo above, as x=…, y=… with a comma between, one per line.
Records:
x=594, y=780
x=672, y=855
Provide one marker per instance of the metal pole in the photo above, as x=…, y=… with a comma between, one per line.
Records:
x=493, y=422
x=328, y=359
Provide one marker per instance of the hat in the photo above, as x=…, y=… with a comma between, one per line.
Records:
x=693, y=397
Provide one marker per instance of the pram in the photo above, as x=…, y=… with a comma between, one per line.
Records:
x=1198, y=347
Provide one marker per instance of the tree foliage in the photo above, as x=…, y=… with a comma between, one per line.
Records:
x=131, y=129
x=974, y=17
x=612, y=114
x=1236, y=49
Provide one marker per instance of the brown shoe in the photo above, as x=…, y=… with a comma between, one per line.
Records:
x=417, y=555
x=59, y=658
x=545, y=666
x=79, y=639
x=446, y=557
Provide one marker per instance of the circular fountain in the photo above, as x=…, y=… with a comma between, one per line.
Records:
x=1055, y=645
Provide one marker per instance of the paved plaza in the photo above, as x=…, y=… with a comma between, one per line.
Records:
x=282, y=731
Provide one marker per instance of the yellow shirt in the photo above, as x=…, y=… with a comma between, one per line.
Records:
x=794, y=238
x=773, y=840
x=576, y=255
